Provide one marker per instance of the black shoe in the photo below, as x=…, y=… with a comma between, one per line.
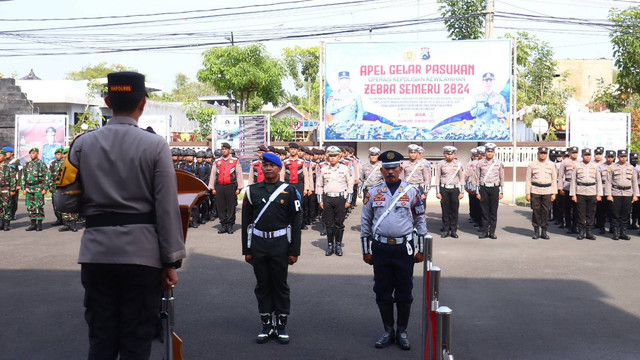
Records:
x=6, y=226
x=623, y=235
x=329, y=250
x=589, y=235
x=304, y=227
x=74, y=228
x=562, y=226
x=387, y=338
x=493, y=236
x=445, y=234
x=230, y=229
x=544, y=234
x=65, y=227
x=39, y=225
x=32, y=226
x=536, y=233
x=580, y=235
x=338, y=237
x=222, y=229
x=454, y=234
x=615, y=234
x=267, y=329
x=484, y=235
x=281, y=332
x=602, y=231
x=403, y=340
x=338, y=249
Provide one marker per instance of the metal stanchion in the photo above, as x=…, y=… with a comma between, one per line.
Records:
x=443, y=336
x=427, y=344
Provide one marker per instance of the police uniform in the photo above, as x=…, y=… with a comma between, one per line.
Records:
x=488, y=107
x=389, y=215
x=586, y=186
x=370, y=174
x=541, y=184
x=334, y=188
x=203, y=172
x=475, y=212
x=344, y=105
x=622, y=185
x=310, y=199
x=565, y=174
x=36, y=180
x=255, y=169
x=449, y=181
x=490, y=182
x=270, y=241
x=603, y=207
x=417, y=173
x=558, y=204
x=226, y=178
x=635, y=207
x=133, y=228
x=7, y=187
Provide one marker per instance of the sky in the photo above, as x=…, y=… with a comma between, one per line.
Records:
x=56, y=37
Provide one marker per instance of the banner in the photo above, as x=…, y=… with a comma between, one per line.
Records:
x=158, y=123
x=427, y=91
x=243, y=132
x=590, y=130
x=45, y=132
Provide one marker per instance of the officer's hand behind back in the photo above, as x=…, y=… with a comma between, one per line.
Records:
x=368, y=258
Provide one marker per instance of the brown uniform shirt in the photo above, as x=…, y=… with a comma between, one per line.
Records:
x=487, y=173
x=449, y=172
x=417, y=173
x=586, y=180
x=622, y=181
x=565, y=174
x=542, y=178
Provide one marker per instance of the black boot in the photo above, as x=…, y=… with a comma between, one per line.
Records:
x=536, y=232
x=389, y=335
x=73, y=225
x=281, y=332
x=484, y=234
x=454, y=233
x=330, y=239
x=602, y=230
x=39, y=225
x=338, y=235
x=65, y=227
x=445, y=233
x=403, y=320
x=590, y=235
x=230, y=229
x=267, y=329
x=623, y=234
x=580, y=234
x=615, y=233
x=544, y=234
x=323, y=232
x=6, y=224
x=32, y=226
x=58, y=222
x=222, y=229
x=493, y=235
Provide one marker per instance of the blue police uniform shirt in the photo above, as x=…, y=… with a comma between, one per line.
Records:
x=345, y=106
x=408, y=212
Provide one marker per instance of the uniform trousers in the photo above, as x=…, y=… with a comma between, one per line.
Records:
x=541, y=206
x=450, y=204
x=620, y=210
x=558, y=208
x=354, y=198
x=489, y=200
x=474, y=209
x=34, y=201
x=635, y=210
x=5, y=204
x=586, y=209
x=55, y=210
x=334, y=212
x=603, y=209
x=122, y=305
x=392, y=273
x=569, y=210
x=270, y=266
x=227, y=201
x=14, y=204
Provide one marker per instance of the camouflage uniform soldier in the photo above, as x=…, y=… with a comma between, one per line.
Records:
x=53, y=170
x=15, y=165
x=34, y=184
x=8, y=189
x=69, y=219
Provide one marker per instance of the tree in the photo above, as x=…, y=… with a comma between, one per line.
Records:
x=303, y=65
x=97, y=71
x=607, y=97
x=626, y=48
x=538, y=87
x=89, y=119
x=464, y=19
x=185, y=91
x=242, y=72
x=282, y=128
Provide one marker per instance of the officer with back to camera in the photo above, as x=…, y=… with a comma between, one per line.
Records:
x=541, y=188
x=390, y=213
x=586, y=192
x=271, y=232
x=449, y=181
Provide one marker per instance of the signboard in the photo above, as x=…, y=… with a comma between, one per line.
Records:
x=243, y=132
x=427, y=91
x=590, y=130
x=159, y=124
x=45, y=132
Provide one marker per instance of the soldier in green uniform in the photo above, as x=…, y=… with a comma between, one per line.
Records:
x=53, y=170
x=34, y=184
x=68, y=219
x=15, y=164
x=7, y=189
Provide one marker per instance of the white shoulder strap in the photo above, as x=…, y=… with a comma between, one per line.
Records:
x=454, y=174
x=271, y=198
x=484, y=180
x=377, y=167
x=393, y=203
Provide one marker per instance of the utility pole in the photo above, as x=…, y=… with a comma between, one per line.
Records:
x=488, y=22
x=232, y=43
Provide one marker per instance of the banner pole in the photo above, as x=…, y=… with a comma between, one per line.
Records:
x=514, y=91
x=321, y=120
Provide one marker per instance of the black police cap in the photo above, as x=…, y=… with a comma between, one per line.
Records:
x=126, y=83
x=599, y=150
x=622, y=153
x=586, y=152
x=293, y=146
x=200, y=154
x=390, y=159
x=610, y=153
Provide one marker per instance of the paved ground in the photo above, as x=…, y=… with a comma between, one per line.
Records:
x=513, y=298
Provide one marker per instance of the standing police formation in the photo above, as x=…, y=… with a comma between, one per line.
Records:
x=449, y=181
x=541, y=189
x=489, y=180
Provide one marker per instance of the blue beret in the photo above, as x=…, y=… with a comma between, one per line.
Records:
x=272, y=158
x=8, y=149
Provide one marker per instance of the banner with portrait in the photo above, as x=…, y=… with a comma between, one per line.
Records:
x=590, y=130
x=45, y=132
x=243, y=132
x=418, y=91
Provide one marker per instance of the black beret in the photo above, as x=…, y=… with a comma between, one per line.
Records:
x=225, y=145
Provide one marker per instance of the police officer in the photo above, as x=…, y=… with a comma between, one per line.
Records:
x=603, y=208
x=53, y=170
x=449, y=181
x=370, y=174
x=417, y=172
x=490, y=182
x=294, y=173
x=635, y=207
x=586, y=191
x=202, y=172
x=390, y=213
x=226, y=181
x=7, y=189
x=334, y=188
x=271, y=232
x=475, y=211
x=565, y=174
x=343, y=104
x=36, y=179
x=558, y=204
x=133, y=243
x=310, y=198
x=255, y=170
x=541, y=188
x=175, y=153
x=622, y=191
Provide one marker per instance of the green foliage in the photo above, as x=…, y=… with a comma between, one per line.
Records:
x=282, y=128
x=90, y=119
x=464, y=19
x=242, y=72
x=303, y=67
x=634, y=108
x=196, y=111
x=626, y=48
x=537, y=84
x=97, y=71
x=185, y=91
x=607, y=97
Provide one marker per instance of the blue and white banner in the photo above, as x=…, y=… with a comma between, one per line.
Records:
x=427, y=91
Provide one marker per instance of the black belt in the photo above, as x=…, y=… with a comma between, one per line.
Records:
x=119, y=219
x=585, y=184
x=621, y=187
x=540, y=185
